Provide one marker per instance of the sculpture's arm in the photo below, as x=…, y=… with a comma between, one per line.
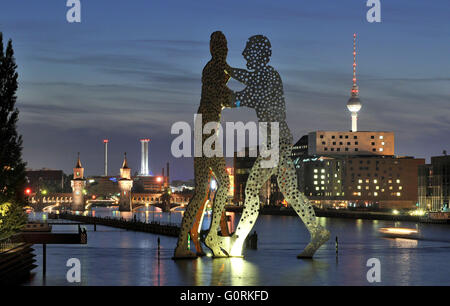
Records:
x=244, y=98
x=240, y=75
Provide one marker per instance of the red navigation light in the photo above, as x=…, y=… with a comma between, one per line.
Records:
x=28, y=191
x=145, y=139
x=105, y=140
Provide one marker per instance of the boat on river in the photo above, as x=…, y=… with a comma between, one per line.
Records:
x=399, y=232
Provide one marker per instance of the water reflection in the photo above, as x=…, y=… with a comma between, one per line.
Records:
x=119, y=257
x=243, y=272
x=403, y=243
x=218, y=272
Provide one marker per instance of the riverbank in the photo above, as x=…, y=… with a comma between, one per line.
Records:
x=345, y=214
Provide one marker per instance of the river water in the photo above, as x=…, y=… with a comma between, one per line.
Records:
x=119, y=257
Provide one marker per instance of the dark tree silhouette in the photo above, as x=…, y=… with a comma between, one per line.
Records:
x=12, y=168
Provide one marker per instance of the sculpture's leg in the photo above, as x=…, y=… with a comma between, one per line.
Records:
x=258, y=176
x=201, y=185
x=197, y=225
x=220, y=199
x=287, y=182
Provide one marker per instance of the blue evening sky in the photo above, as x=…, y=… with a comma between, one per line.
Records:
x=132, y=68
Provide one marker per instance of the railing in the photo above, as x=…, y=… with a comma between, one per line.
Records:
x=7, y=244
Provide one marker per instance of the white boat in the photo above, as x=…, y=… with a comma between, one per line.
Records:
x=399, y=232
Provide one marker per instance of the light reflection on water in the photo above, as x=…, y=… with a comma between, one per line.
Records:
x=118, y=257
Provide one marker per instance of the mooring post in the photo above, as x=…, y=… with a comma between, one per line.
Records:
x=44, y=259
x=95, y=226
x=159, y=243
x=337, y=245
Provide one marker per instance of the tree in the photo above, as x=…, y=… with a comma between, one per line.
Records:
x=12, y=168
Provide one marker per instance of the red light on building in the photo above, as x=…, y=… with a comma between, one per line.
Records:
x=28, y=191
x=105, y=140
x=145, y=139
x=94, y=197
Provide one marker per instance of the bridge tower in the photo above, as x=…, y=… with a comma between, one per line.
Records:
x=78, y=183
x=125, y=185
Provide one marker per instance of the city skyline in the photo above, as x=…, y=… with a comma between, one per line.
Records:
x=127, y=77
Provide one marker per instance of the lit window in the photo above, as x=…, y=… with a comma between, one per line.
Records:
x=381, y=149
x=375, y=181
x=400, y=187
x=323, y=170
x=359, y=193
x=315, y=176
x=322, y=182
x=359, y=187
x=315, y=182
x=367, y=181
x=382, y=143
x=367, y=187
x=397, y=181
x=315, y=170
x=381, y=137
x=382, y=190
x=398, y=194
x=377, y=187
x=375, y=193
x=317, y=188
x=322, y=177
x=390, y=187
x=360, y=181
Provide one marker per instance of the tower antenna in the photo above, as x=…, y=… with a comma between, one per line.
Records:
x=354, y=104
x=355, y=87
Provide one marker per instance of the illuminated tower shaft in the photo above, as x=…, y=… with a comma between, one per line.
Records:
x=354, y=122
x=144, y=157
x=106, y=141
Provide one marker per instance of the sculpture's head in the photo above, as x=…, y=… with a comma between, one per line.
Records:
x=218, y=46
x=257, y=52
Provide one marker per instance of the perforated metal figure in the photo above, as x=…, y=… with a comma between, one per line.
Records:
x=215, y=97
x=264, y=93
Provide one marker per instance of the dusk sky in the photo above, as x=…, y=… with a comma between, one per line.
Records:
x=131, y=69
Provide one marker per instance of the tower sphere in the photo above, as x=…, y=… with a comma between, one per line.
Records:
x=354, y=104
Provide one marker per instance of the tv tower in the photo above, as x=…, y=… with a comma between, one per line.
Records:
x=354, y=104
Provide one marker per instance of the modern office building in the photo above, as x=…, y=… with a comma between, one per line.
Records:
x=351, y=143
x=434, y=184
x=360, y=181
